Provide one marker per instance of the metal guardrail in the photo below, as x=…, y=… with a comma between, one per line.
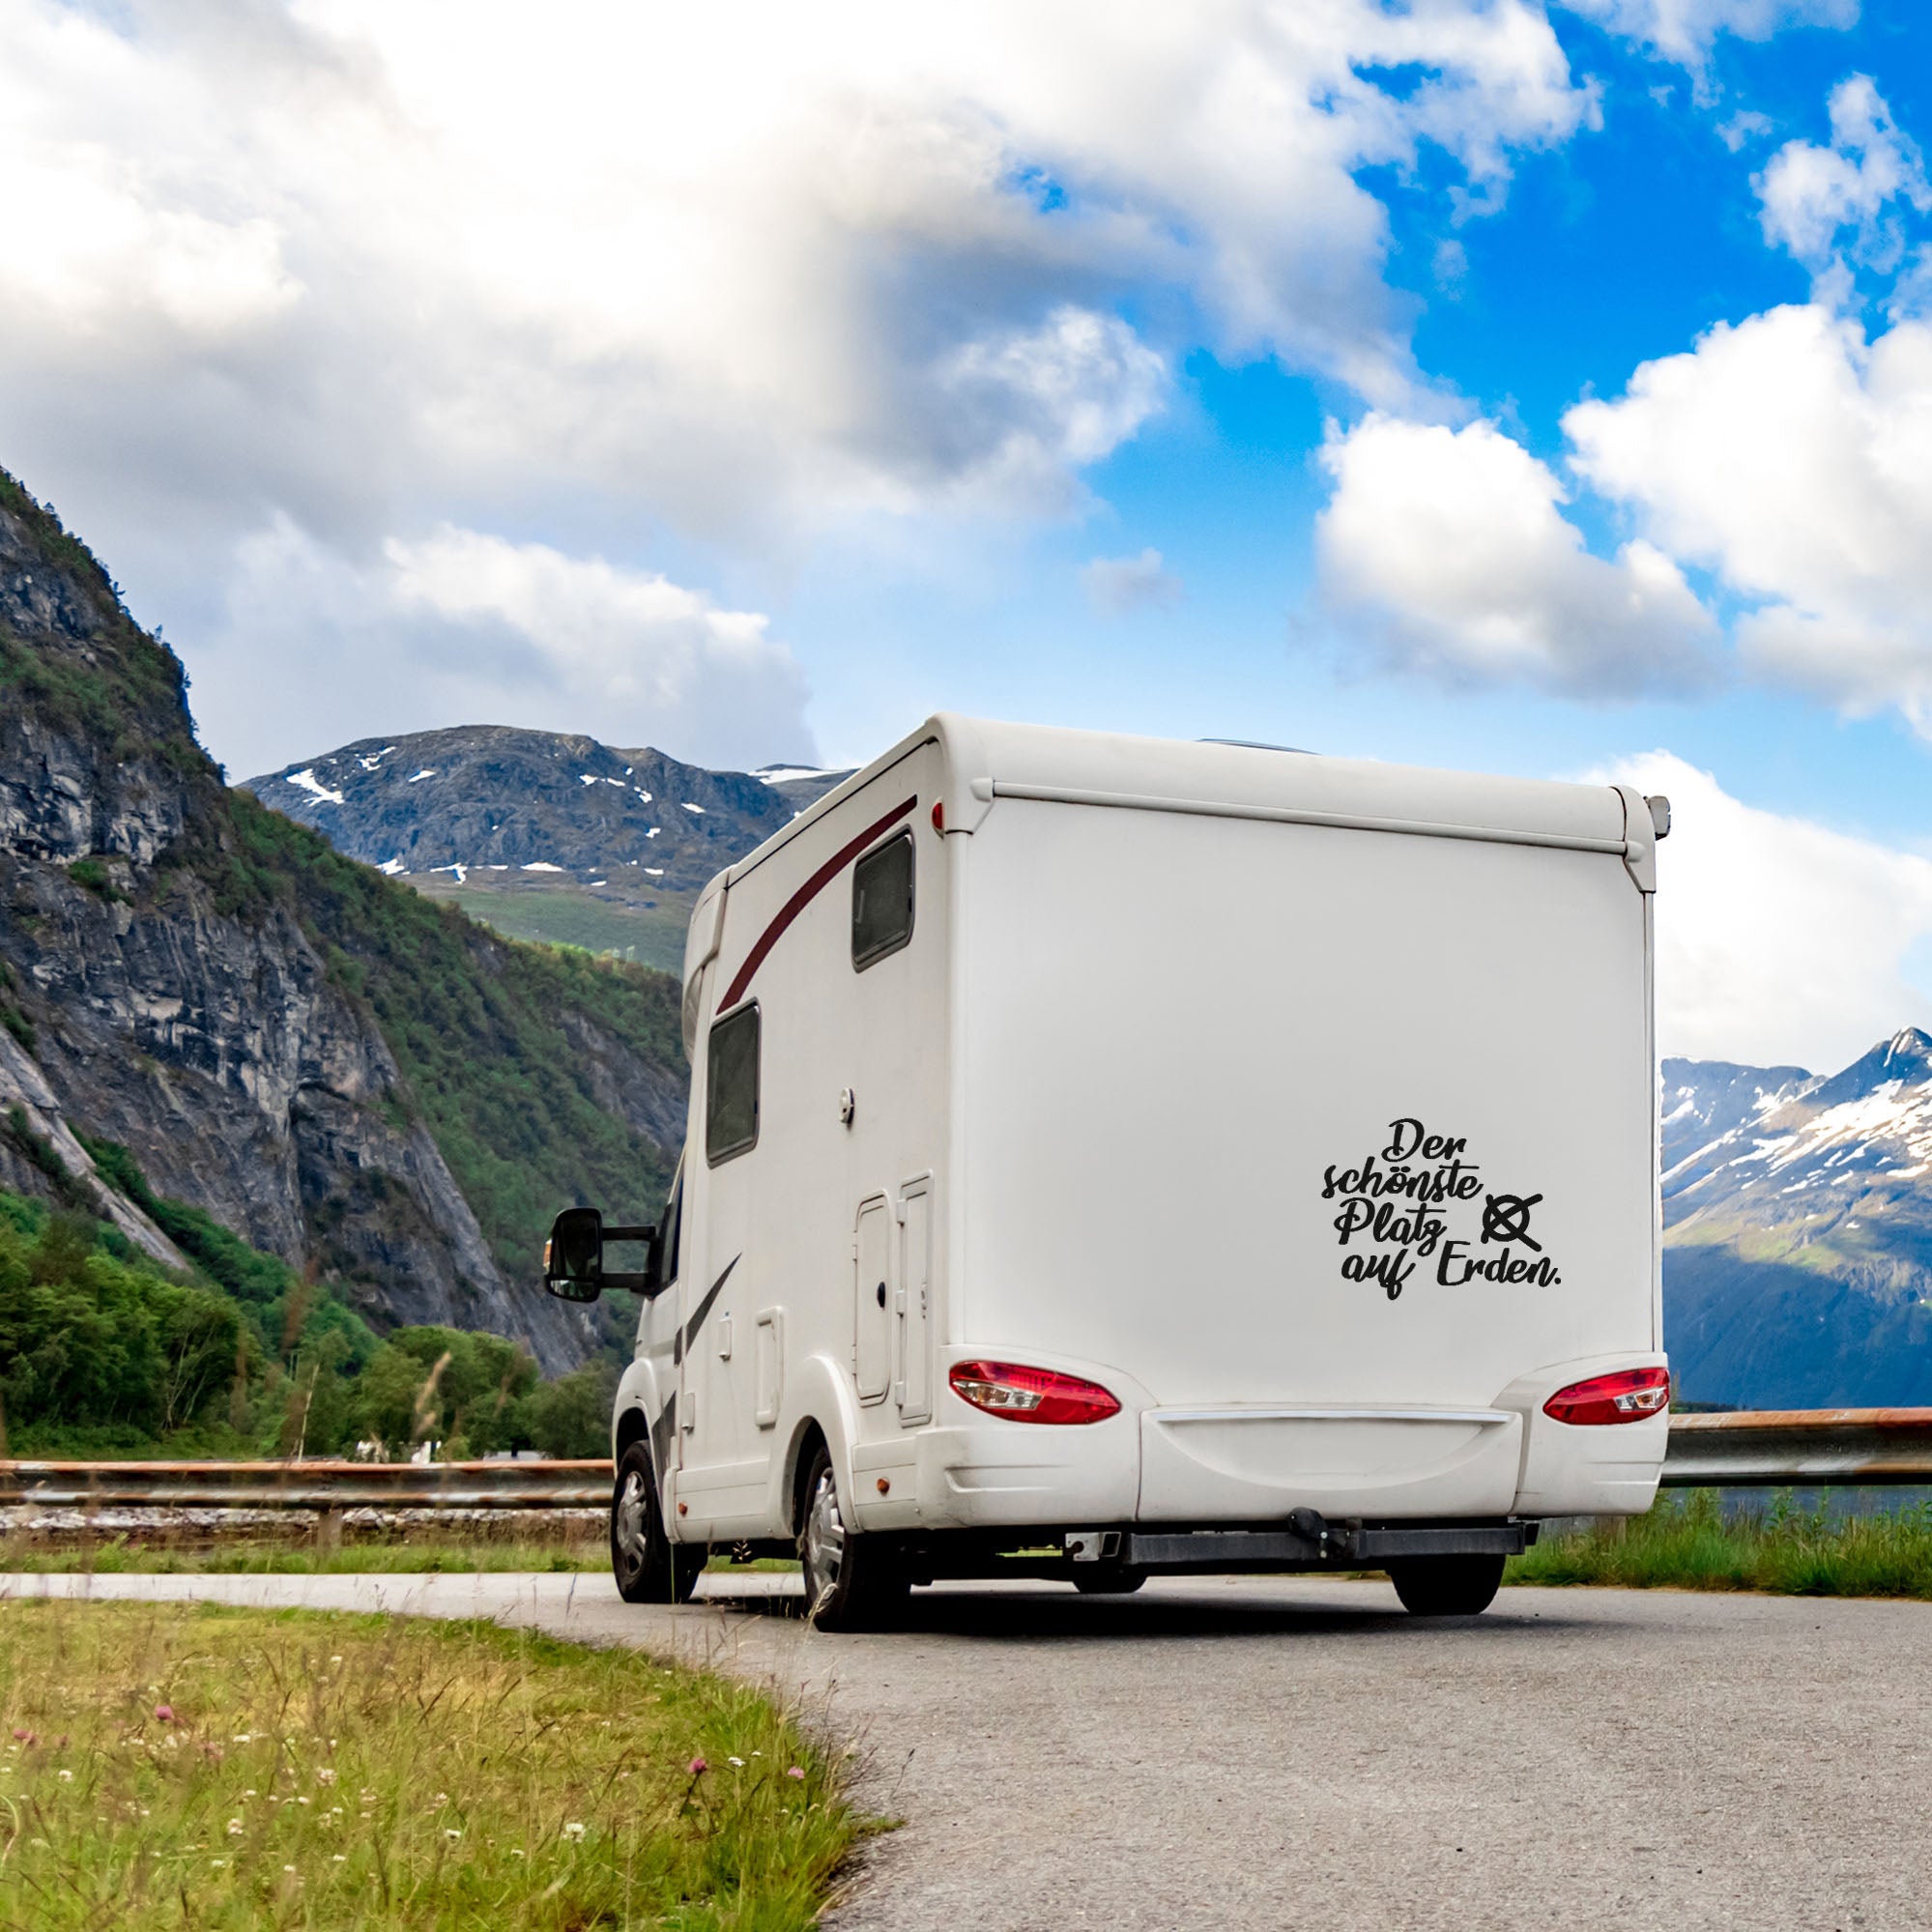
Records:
x=1800, y=1449
x=1748, y=1449
x=531, y=1485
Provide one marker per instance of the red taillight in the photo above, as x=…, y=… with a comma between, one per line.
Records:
x=1629, y=1394
x=1030, y=1395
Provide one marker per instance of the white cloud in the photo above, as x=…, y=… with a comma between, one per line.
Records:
x=1793, y=458
x=1838, y=205
x=463, y=627
x=1684, y=31
x=1447, y=550
x=1777, y=939
x=1118, y=585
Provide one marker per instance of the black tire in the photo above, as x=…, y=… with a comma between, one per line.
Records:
x=1107, y=1579
x=648, y=1567
x=1447, y=1586
x=850, y=1582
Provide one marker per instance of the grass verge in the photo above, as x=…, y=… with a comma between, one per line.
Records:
x=1688, y=1542
x=300, y=1555
x=222, y=1769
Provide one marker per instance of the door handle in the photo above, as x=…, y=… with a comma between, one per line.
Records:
x=724, y=1337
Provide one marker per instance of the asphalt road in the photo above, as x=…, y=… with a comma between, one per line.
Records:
x=1271, y=1752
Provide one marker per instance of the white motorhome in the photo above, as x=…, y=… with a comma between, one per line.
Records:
x=1112, y=1157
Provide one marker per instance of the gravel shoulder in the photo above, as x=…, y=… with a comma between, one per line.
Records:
x=1274, y=1753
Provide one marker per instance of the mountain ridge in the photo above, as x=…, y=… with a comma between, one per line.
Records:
x=337, y=1072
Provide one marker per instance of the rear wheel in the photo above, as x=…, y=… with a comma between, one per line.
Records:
x=648, y=1567
x=850, y=1583
x=1109, y=1579
x=1447, y=1586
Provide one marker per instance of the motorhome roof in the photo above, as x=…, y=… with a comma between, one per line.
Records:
x=987, y=760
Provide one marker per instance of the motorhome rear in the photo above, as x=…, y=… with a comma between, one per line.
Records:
x=1165, y=1156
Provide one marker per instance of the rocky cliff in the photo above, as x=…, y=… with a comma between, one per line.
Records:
x=304, y=1054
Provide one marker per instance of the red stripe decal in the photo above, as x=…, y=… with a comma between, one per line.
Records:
x=803, y=897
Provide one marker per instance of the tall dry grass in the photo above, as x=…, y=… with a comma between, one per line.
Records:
x=216, y=1768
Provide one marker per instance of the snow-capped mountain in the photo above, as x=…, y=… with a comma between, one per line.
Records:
x=542, y=834
x=1798, y=1211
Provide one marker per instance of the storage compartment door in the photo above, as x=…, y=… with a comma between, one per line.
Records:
x=912, y=1300
x=872, y=1299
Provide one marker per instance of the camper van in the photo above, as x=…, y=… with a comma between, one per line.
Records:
x=1111, y=1157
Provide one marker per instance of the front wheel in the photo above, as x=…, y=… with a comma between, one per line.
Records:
x=850, y=1583
x=648, y=1567
x=1447, y=1586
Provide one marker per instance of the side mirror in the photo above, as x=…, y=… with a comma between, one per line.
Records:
x=573, y=1257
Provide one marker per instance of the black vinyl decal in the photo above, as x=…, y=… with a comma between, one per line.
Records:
x=1397, y=1204
x=688, y=1332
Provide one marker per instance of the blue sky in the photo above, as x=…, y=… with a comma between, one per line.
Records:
x=1545, y=389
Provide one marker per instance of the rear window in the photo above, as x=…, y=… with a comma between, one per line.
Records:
x=882, y=901
x=730, y=1086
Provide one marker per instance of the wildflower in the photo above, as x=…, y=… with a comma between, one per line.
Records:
x=797, y=1771
x=26, y=1737
x=368, y=1797
x=218, y=1862
x=288, y=1868
x=67, y=1778
x=234, y=1828
x=450, y=1831
x=334, y=1659
x=242, y=1738
x=164, y=1713
x=325, y=1775
x=574, y=1833
x=517, y=1851
x=697, y=1766
x=739, y=1762
x=249, y=1793
x=339, y=1857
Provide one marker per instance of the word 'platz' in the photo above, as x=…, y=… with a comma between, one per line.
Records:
x=1396, y=1206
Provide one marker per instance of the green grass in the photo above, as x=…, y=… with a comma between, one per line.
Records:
x=226, y=1769
x=295, y=1552
x=570, y=916
x=1686, y=1542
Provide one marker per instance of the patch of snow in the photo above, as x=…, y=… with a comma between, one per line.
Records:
x=391, y=866
x=586, y=778
x=653, y=831
x=369, y=761
x=427, y=771
x=541, y=865
x=305, y=780
x=618, y=782
x=656, y=871
x=461, y=871
x=628, y=770
x=642, y=793
x=596, y=881
x=689, y=807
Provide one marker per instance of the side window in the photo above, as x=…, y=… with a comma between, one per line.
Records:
x=882, y=902
x=730, y=1086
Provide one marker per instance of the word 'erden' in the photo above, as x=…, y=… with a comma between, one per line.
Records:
x=1388, y=1200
